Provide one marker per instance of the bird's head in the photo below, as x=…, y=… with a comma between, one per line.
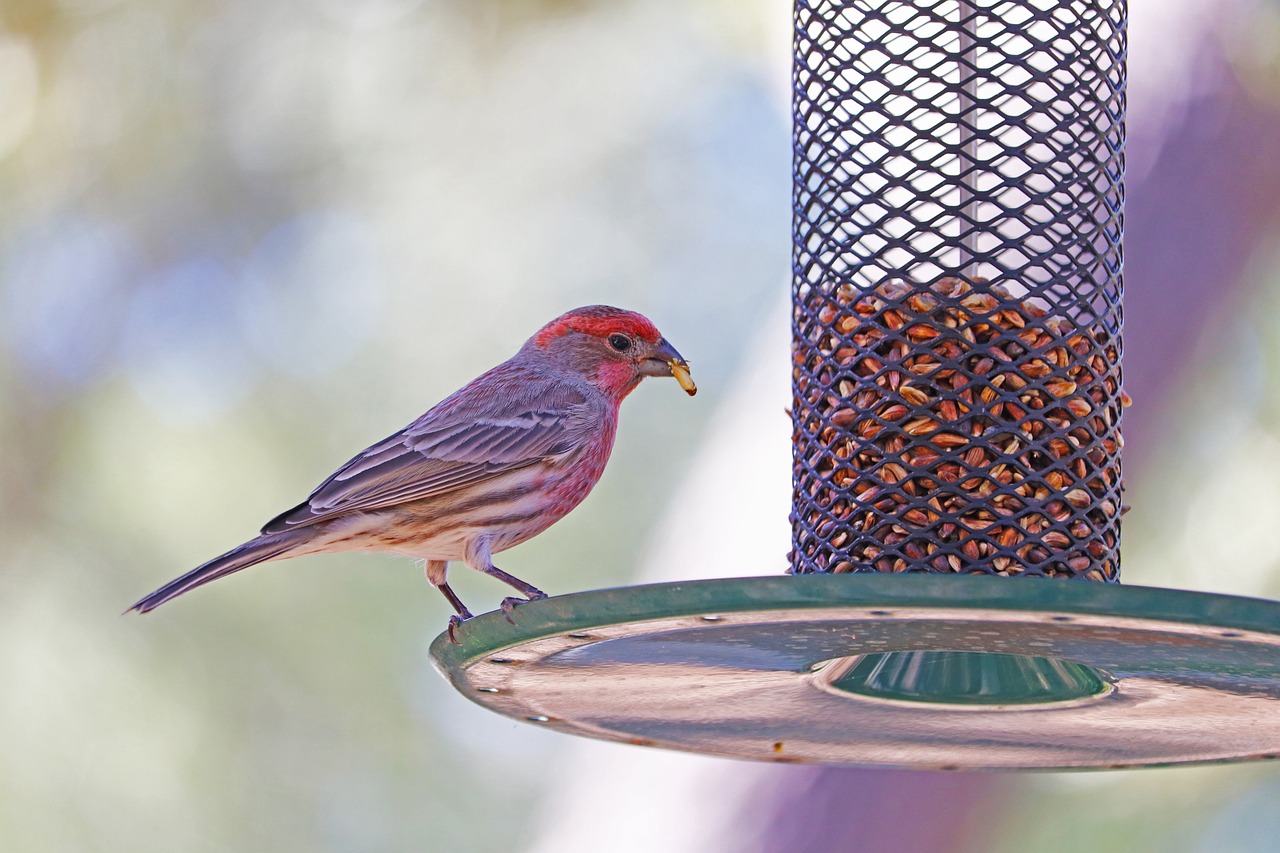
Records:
x=612, y=348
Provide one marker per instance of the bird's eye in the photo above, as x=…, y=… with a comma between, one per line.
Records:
x=620, y=342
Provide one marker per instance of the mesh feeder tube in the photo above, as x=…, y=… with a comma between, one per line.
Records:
x=957, y=287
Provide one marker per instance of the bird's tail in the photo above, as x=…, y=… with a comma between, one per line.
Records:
x=259, y=550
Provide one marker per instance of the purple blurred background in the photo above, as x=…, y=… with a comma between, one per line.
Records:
x=239, y=241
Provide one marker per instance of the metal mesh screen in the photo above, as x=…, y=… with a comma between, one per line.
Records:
x=957, y=280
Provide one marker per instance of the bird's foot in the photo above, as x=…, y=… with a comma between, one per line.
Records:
x=510, y=603
x=454, y=622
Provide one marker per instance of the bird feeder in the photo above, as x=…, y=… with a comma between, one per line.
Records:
x=957, y=343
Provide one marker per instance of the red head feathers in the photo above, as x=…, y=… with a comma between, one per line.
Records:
x=599, y=320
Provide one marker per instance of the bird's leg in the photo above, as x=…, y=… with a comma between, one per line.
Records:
x=479, y=558
x=454, y=600
x=437, y=572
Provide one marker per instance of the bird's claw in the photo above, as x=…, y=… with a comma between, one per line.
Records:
x=454, y=622
x=510, y=603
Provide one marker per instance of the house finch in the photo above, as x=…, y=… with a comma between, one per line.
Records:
x=496, y=463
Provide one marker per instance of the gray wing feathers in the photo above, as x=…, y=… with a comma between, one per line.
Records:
x=448, y=448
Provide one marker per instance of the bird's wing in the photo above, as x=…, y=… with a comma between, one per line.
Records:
x=488, y=428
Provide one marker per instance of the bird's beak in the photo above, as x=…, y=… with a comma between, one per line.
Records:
x=663, y=360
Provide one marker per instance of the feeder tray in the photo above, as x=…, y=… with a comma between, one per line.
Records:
x=917, y=671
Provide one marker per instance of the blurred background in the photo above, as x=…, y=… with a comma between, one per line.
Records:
x=239, y=241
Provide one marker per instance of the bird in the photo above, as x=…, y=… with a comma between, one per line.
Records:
x=487, y=468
